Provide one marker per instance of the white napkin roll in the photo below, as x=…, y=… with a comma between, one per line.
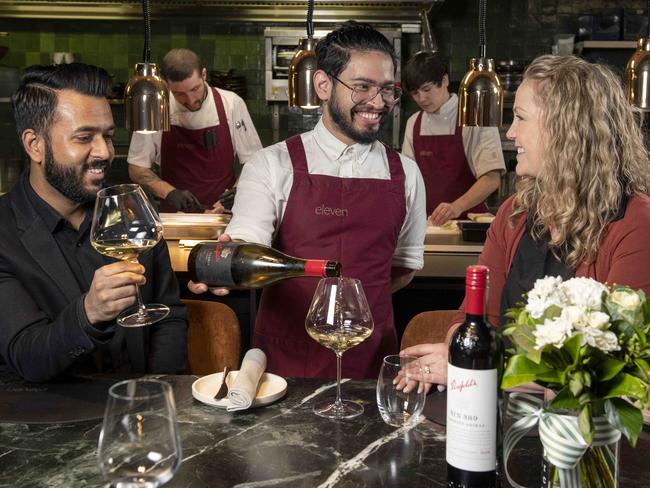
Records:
x=244, y=389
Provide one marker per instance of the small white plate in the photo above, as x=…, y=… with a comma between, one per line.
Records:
x=270, y=388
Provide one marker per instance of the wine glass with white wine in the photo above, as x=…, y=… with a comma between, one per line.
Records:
x=339, y=318
x=124, y=226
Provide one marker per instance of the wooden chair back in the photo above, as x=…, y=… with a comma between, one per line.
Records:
x=213, y=337
x=427, y=327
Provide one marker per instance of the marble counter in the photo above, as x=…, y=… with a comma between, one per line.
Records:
x=280, y=445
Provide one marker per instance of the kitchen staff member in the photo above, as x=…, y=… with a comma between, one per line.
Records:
x=196, y=157
x=461, y=167
x=374, y=219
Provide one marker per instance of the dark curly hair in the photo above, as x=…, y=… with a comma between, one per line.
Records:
x=333, y=51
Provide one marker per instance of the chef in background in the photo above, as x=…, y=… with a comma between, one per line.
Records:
x=209, y=126
x=376, y=220
x=461, y=166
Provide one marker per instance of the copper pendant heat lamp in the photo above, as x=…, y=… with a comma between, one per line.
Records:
x=637, y=72
x=480, y=95
x=302, y=93
x=146, y=97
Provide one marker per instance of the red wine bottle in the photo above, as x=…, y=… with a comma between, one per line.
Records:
x=473, y=413
x=241, y=265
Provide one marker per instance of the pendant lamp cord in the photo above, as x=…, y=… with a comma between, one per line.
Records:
x=481, y=27
x=146, y=53
x=647, y=13
x=310, y=18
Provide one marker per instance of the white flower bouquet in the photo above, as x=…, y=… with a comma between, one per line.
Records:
x=589, y=344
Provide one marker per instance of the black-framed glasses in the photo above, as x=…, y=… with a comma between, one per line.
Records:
x=365, y=92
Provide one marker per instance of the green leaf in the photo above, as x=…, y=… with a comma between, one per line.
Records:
x=625, y=385
x=625, y=417
x=565, y=400
x=535, y=355
x=551, y=312
x=644, y=369
x=586, y=423
x=576, y=384
x=522, y=333
x=572, y=347
x=520, y=370
x=608, y=368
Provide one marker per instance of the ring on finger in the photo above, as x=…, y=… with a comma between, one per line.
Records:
x=426, y=369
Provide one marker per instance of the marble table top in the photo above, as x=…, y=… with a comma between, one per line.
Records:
x=279, y=445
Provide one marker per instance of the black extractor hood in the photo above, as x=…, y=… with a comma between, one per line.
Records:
x=266, y=11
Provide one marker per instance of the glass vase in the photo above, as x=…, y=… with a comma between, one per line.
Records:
x=598, y=468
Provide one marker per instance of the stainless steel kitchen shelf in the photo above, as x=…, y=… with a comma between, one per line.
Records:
x=268, y=11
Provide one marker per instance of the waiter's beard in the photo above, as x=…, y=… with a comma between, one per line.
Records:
x=346, y=123
x=69, y=180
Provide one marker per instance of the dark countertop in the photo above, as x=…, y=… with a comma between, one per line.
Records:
x=283, y=444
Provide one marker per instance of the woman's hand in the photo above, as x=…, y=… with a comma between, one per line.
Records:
x=433, y=361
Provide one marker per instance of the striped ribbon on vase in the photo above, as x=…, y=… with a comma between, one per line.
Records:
x=563, y=443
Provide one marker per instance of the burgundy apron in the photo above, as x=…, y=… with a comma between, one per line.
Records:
x=444, y=167
x=199, y=160
x=352, y=220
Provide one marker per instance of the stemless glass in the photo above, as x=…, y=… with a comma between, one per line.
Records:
x=124, y=226
x=397, y=408
x=139, y=445
x=339, y=318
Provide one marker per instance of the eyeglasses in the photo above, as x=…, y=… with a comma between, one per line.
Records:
x=365, y=92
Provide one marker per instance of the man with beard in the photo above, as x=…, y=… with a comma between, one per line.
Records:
x=196, y=157
x=335, y=193
x=59, y=296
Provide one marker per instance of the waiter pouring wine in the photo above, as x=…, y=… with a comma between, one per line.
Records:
x=209, y=126
x=335, y=193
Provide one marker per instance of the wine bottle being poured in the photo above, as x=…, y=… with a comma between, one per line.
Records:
x=241, y=265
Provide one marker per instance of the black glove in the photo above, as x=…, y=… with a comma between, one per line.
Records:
x=184, y=201
x=227, y=198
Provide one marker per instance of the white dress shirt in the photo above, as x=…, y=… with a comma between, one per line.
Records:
x=265, y=184
x=144, y=149
x=482, y=144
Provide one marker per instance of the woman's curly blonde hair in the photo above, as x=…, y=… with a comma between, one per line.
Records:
x=594, y=154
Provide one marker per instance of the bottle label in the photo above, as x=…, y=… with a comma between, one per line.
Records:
x=471, y=418
x=213, y=264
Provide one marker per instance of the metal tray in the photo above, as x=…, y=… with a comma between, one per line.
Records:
x=193, y=226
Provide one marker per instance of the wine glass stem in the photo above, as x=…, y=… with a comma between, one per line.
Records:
x=338, y=402
x=141, y=309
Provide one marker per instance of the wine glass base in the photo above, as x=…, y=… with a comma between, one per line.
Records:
x=347, y=409
x=131, y=317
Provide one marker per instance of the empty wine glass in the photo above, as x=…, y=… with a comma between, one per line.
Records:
x=139, y=445
x=124, y=226
x=339, y=318
x=396, y=407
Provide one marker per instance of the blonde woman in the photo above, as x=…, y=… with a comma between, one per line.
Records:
x=581, y=207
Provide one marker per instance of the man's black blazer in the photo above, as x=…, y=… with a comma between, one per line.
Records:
x=42, y=330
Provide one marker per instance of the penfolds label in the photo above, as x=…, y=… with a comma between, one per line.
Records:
x=471, y=418
x=214, y=262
